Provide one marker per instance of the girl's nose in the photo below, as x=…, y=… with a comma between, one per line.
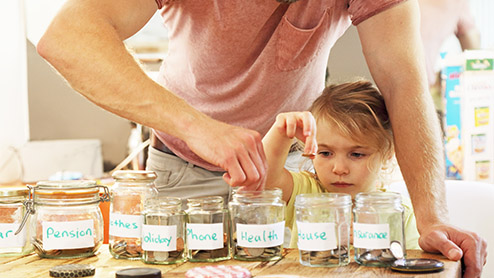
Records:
x=339, y=167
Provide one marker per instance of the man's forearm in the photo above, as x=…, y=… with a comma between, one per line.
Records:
x=393, y=50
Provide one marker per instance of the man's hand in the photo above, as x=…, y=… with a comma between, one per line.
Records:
x=237, y=150
x=454, y=243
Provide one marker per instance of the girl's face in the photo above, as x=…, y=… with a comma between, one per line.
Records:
x=343, y=165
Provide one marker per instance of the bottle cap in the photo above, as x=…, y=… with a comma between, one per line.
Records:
x=72, y=270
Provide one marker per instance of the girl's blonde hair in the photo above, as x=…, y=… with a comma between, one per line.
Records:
x=358, y=110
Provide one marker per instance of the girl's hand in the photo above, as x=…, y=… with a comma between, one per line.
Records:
x=301, y=125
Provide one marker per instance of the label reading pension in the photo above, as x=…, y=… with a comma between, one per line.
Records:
x=7, y=237
x=205, y=236
x=124, y=225
x=316, y=236
x=159, y=238
x=371, y=236
x=266, y=235
x=68, y=235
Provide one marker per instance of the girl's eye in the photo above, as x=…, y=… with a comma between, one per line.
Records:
x=357, y=155
x=325, y=153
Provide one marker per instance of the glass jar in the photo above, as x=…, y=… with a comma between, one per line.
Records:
x=67, y=221
x=11, y=212
x=378, y=228
x=128, y=195
x=163, y=231
x=208, y=230
x=323, y=228
x=258, y=224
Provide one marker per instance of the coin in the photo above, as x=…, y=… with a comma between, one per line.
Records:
x=160, y=255
x=180, y=244
x=396, y=250
x=254, y=252
x=309, y=155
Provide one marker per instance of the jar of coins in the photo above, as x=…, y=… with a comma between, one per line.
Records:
x=11, y=212
x=258, y=224
x=67, y=221
x=378, y=228
x=208, y=229
x=128, y=195
x=323, y=228
x=163, y=231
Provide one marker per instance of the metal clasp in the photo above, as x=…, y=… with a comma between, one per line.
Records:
x=106, y=195
x=29, y=204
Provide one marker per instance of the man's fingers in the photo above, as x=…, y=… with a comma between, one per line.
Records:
x=437, y=241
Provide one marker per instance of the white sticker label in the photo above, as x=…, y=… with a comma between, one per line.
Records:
x=267, y=235
x=316, y=236
x=124, y=225
x=68, y=235
x=205, y=236
x=7, y=237
x=371, y=236
x=159, y=238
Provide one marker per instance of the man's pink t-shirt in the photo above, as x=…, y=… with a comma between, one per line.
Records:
x=243, y=62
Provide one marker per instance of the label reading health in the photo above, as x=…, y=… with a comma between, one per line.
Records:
x=267, y=235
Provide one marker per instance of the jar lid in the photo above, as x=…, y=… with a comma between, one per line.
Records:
x=14, y=191
x=70, y=187
x=138, y=272
x=135, y=175
x=323, y=199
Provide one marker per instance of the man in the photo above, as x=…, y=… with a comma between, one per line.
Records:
x=233, y=66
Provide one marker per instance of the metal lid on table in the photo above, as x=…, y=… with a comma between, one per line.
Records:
x=138, y=272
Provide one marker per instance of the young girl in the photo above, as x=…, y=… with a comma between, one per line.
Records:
x=351, y=149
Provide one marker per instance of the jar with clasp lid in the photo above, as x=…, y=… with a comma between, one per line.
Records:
x=11, y=212
x=66, y=218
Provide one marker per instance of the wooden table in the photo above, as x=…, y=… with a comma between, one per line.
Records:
x=288, y=267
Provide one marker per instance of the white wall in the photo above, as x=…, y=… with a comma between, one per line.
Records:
x=14, y=126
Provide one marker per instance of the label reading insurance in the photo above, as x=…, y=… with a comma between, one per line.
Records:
x=124, y=225
x=316, y=236
x=267, y=235
x=68, y=235
x=205, y=236
x=159, y=238
x=7, y=237
x=371, y=236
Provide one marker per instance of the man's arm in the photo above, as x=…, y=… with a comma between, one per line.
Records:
x=392, y=48
x=84, y=43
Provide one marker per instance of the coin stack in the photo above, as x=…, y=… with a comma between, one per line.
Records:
x=324, y=258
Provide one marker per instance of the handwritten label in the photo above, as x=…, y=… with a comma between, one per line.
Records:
x=124, y=225
x=68, y=235
x=205, y=236
x=371, y=236
x=267, y=235
x=8, y=239
x=316, y=236
x=159, y=238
